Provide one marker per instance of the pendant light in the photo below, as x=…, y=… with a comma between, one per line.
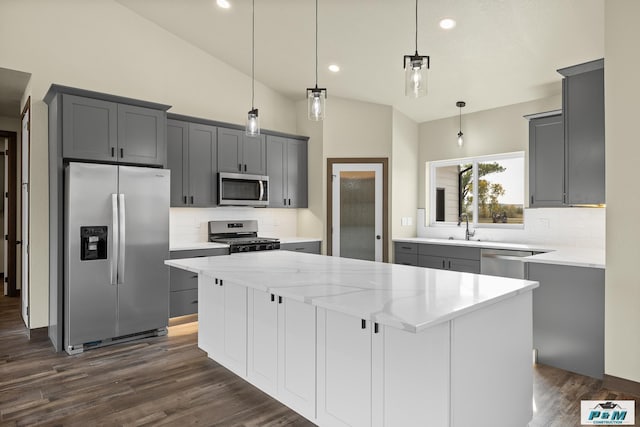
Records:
x=316, y=96
x=416, y=67
x=253, y=122
x=460, y=104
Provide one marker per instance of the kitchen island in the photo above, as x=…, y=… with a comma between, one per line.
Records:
x=350, y=342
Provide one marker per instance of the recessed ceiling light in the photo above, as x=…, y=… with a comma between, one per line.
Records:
x=447, y=23
x=223, y=4
x=334, y=68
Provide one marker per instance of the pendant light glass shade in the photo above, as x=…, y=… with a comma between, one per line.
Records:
x=316, y=96
x=316, y=99
x=460, y=104
x=415, y=70
x=415, y=67
x=253, y=123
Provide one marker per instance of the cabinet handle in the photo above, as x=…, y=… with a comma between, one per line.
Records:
x=239, y=167
x=443, y=264
x=405, y=247
x=273, y=297
x=279, y=300
x=113, y=151
x=375, y=328
x=531, y=200
x=449, y=265
x=195, y=276
x=191, y=199
x=194, y=301
x=363, y=324
x=245, y=167
x=185, y=200
x=121, y=152
x=285, y=202
x=216, y=281
x=289, y=202
x=220, y=282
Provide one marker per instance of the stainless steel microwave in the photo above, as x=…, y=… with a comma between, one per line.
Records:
x=241, y=189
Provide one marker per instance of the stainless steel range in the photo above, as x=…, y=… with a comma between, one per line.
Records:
x=241, y=236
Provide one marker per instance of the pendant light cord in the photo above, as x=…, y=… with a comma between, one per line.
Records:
x=253, y=51
x=416, y=27
x=460, y=120
x=316, y=43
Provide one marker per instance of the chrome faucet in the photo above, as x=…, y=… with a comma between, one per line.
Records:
x=467, y=234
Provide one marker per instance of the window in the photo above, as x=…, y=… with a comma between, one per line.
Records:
x=488, y=189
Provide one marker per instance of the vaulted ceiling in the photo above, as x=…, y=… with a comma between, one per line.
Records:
x=501, y=52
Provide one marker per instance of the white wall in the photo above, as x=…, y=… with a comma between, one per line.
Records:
x=404, y=175
x=622, y=90
x=500, y=130
x=100, y=45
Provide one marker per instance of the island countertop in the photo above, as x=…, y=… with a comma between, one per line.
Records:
x=404, y=297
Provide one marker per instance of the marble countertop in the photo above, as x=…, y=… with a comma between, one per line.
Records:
x=196, y=246
x=405, y=297
x=561, y=255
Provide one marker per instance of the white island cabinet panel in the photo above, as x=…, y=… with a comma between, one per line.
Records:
x=344, y=370
x=491, y=351
x=297, y=356
x=262, y=346
x=222, y=330
x=415, y=383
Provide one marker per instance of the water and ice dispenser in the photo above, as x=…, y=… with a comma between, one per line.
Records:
x=93, y=243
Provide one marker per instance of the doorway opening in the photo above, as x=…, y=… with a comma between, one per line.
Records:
x=357, y=207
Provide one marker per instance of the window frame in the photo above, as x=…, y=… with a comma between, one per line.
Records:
x=432, y=165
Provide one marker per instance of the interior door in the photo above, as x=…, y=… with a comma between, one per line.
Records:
x=25, y=218
x=143, y=279
x=357, y=210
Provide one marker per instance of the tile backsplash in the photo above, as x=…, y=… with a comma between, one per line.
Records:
x=580, y=227
x=189, y=225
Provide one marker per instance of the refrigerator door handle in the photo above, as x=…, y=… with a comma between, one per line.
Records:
x=121, y=239
x=114, y=240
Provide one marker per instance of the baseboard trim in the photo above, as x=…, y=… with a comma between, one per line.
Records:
x=37, y=334
x=621, y=384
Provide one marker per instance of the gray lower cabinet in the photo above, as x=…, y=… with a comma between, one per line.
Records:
x=192, y=159
x=183, y=285
x=546, y=161
x=100, y=130
x=405, y=253
x=568, y=317
x=240, y=153
x=287, y=171
x=443, y=257
x=307, y=247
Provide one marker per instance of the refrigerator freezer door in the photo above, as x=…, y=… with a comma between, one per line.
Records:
x=143, y=290
x=90, y=297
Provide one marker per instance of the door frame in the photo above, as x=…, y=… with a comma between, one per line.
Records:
x=385, y=199
x=10, y=211
x=26, y=269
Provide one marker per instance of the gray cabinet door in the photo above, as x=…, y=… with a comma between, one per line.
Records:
x=202, y=165
x=177, y=156
x=296, y=173
x=230, y=150
x=546, y=161
x=430, y=261
x=276, y=170
x=463, y=265
x=583, y=108
x=254, y=155
x=141, y=135
x=306, y=247
x=89, y=128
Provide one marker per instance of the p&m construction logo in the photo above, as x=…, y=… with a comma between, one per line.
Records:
x=608, y=413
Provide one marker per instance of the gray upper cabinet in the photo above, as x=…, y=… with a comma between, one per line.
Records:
x=240, y=153
x=546, y=161
x=583, y=110
x=89, y=128
x=100, y=130
x=287, y=171
x=141, y=135
x=192, y=158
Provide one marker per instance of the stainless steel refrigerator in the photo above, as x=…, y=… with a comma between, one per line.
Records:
x=116, y=286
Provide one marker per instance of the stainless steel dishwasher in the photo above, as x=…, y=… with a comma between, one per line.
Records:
x=504, y=263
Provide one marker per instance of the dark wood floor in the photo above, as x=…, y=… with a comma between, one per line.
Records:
x=169, y=381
